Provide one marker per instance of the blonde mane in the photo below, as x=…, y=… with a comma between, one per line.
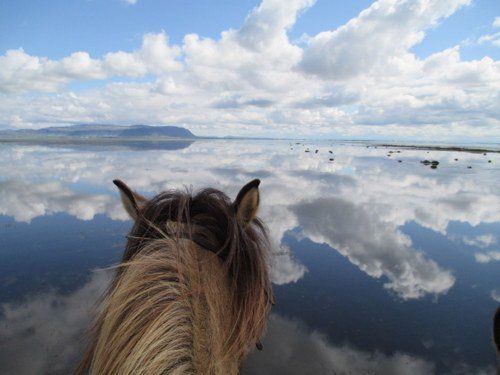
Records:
x=191, y=295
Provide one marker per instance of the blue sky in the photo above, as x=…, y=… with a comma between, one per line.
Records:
x=57, y=28
x=47, y=33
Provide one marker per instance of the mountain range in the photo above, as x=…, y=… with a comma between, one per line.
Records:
x=100, y=132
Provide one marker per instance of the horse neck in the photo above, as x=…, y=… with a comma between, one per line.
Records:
x=168, y=311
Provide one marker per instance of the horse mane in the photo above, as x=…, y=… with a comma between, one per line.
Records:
x=189, y=266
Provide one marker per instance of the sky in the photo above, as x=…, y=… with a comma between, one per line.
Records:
x=386, y=69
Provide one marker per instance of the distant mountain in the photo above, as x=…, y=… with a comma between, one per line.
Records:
x=102, y=131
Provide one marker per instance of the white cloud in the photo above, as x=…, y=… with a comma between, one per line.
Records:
x=379, y=37
x=487, y=257
x=494, y=39
x=482, y=241
x=22, y=72
x=254, y=80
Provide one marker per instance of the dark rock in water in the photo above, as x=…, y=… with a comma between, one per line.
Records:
x=330, y=151
x=484, y=153
x=469, y=167
x=434, y=166
x=489, y=161
x=434, y=162
x=307, y=151
x=425, y=162
x=398, y=151
x=456, y=159
x=331, y=159
x=390, y=152
x=400, y=161
x=316, y=151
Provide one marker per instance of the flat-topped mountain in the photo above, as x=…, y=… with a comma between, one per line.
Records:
x=101, y=131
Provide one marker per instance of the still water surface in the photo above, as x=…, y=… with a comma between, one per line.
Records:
x=379, y=266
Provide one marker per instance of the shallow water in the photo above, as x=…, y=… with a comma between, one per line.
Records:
x=379, y=266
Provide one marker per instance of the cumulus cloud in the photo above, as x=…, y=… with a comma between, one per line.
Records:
x=256, y=60
x=291, y=348
x=382, y=33
x=44, y=334
x=22, y=72
x=253, y=80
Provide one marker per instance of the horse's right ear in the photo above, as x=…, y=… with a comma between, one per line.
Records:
x=247, y=202
x=132, y=202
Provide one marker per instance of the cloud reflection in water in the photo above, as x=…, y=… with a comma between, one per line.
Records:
x=45, y=333
x=377, y=198
x=291, y=349
x=378, y=248
x=358, y=205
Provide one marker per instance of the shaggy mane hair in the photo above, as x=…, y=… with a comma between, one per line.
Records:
x=191, y=294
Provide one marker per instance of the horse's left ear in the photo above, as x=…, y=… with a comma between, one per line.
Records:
x=247, y=202
x=132, y=202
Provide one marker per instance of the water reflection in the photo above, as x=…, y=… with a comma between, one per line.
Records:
x=419, y=239
x=291, y=348
x=98, y=145
x=375, y=246
x=24, y=200
x=43, y=335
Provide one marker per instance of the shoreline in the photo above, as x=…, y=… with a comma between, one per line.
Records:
x=160, y=140
x=472, y=149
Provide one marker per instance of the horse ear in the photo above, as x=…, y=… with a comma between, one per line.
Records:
x=132, y=202
x=247, y=202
